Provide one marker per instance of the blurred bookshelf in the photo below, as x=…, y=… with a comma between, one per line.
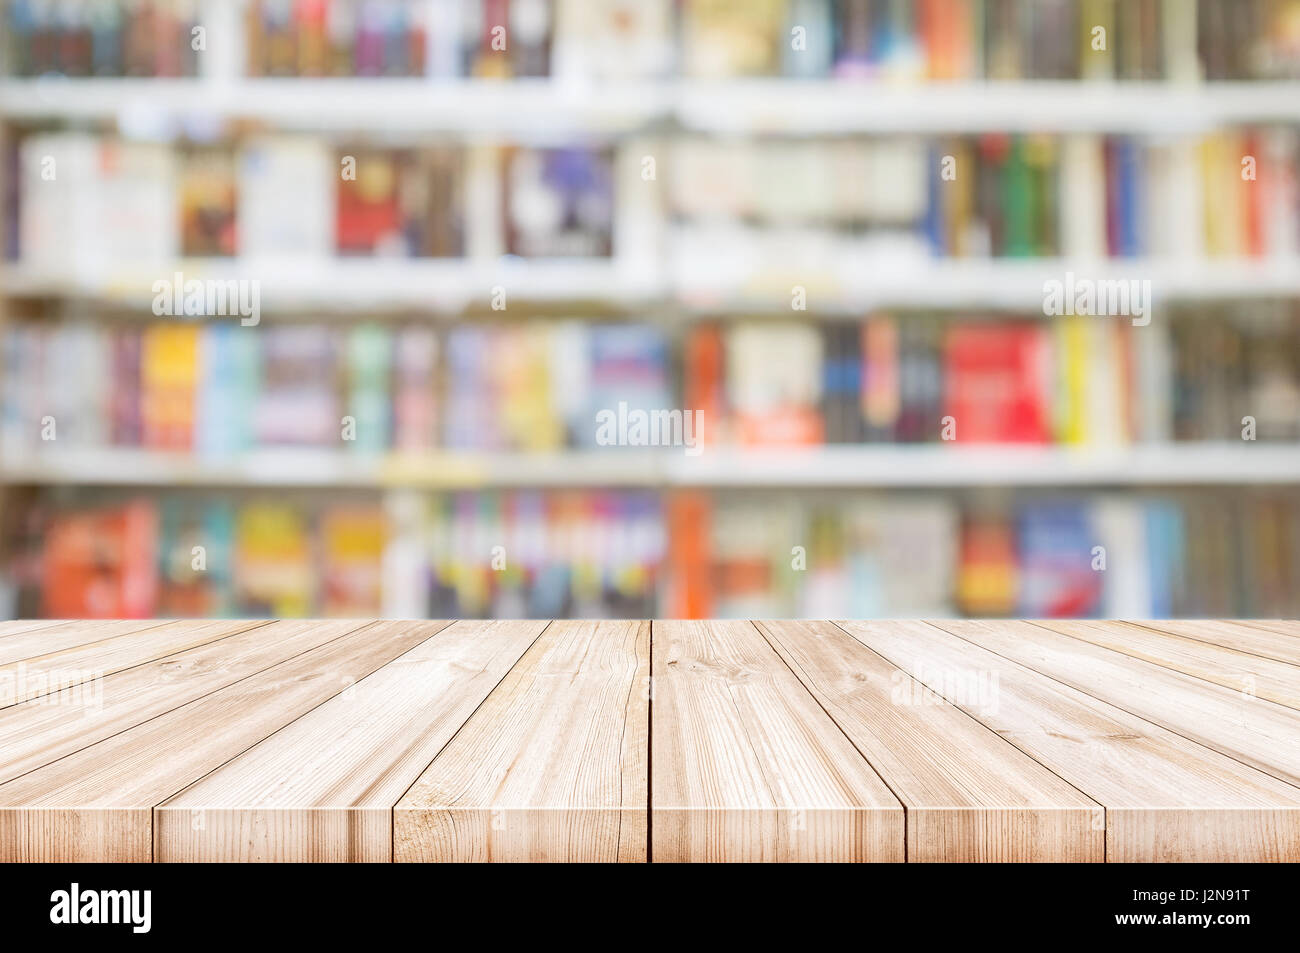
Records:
x=517, y=177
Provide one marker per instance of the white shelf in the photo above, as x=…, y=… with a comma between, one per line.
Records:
x=357, y=284
x=828, y=107
x=1012, y=466
x=532, y=109
x=551, y=108
x=449, y=286
x=844, y=286
x=296, y=468
x=887, y=466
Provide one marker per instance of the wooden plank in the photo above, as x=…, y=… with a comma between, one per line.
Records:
x=78, y=664
x=15, y=626
x=1251, y=729
x=42, y=640
x=45, y=729
x=97, y=803
x=1166, y=798
x=323, y=789
x=1239, y=671
x=745, y=764
x=1281, y=626
x=970, y=795
x=552, y=767
x=1242, y=636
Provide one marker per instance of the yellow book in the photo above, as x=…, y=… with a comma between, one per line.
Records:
x=1097, y=39
x=169, y=368
x=1072, y=360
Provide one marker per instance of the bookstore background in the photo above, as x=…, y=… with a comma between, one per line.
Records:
x=824, y=226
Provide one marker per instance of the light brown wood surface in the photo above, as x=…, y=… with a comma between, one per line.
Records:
x=1284, y=626
x=664, y=741
x=323, y=788
x=68, y=666
x=1251, y=729
x=13, y=626
x=97, y=803
x=26, y=642
x=1267, y=640
x=552, y=767
x=1166, y=798
x=1233, y=669
x=970, y=796
x=746, y=766
x=45, y=729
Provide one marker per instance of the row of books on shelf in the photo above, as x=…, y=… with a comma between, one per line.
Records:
x=887, y=39
x=89, y=202
x=991, y=39
x=1226, y=194
x=217, y=389
x=103, y=38
x=632, y=554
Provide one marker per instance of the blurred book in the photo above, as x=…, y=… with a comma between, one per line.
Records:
x=103, y=38
x=99, y=563
x=635, y=554
x=219, y=389
x=559, y=203
x=403, y=203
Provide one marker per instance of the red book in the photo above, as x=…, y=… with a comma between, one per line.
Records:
x=995, y=383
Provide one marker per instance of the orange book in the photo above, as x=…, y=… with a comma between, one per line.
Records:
x=703, y=387
x=352, y=540
x=1252, y=202
x=689, y=556
x=101, y=564
x=986, y=575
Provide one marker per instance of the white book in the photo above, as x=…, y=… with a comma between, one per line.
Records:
x=287, y=190
x=1282, y=225
x=1120, y=527
x=1177, y=209
x=1105, y=386
x=1152, y=360
x=405, y=575
x=773, y=366
x=900, y=174
x=1083, y=198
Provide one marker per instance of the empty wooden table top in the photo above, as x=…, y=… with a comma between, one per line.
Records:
x=420, y=741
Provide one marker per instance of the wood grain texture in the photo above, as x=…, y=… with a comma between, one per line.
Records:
x=1239, y=671
x=970, y=795
x=759, y=741
x=1251, y=729
x=1166, y=798
x=78, y=664
x=323, y=788
x=97, y=803
x=45, y=729
x=745, y=764
x=30, y=641
x=1283, y=626
x=13, y=626
x=1266, y=641
x=552, y=767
